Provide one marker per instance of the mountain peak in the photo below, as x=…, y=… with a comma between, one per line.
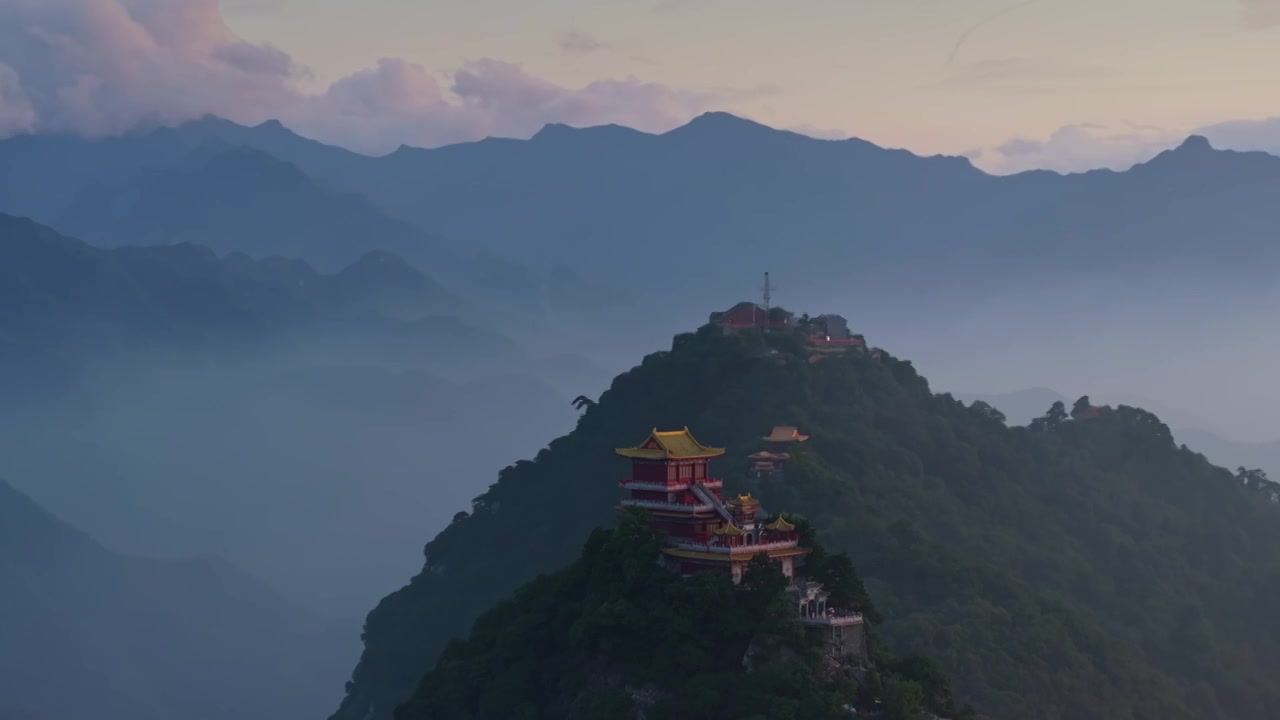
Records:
x=557, y=131
x=721, y=122
x=274, y=127
x=1195, y=143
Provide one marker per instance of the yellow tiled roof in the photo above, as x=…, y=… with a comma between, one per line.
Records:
x=728, y=529
x=786, y=433
x=670, y=445
x=780, y=524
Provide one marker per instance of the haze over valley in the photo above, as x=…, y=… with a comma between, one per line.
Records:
x=259, y=346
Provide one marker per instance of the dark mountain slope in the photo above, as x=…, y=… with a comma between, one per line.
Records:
x=1089, y=570
x=615, y=635
x=87, y=633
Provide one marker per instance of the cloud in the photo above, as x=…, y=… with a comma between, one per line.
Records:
x=16, y=113
x=1245, y=135
x=1088, y=146
x=576, y=42
x=105, y=66
x=1077, y=148
x=102, y=67
x=1260, y=13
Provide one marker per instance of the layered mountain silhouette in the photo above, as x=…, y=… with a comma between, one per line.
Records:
x=675, y=221
x=89, y=633
x=166, y=399
x=68, y=304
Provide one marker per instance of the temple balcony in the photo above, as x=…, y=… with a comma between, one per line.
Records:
x=681, y=486
x=833, y=619
x=670, y=507
x=727, y=550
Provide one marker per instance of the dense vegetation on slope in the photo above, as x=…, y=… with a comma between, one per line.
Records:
x=615, y=634
x=1084, y=570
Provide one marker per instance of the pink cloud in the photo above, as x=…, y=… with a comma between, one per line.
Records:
x=16, y=113
x=1087, y=146
x=101, y=67
x=1077, y=148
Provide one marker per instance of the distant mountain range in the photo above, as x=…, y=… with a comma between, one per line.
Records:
x=88, y=633
x=67, y=304
x=717, y=199
x=575, y=229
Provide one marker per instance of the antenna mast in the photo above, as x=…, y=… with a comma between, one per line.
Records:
x=768, y=296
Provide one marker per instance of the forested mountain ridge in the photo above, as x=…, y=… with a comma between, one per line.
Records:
x=1083, y=569
x=67, y=303
x=580, y=644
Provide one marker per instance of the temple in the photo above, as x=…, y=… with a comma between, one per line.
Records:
x=768, y=464
x=671, y=478
x=702, y=532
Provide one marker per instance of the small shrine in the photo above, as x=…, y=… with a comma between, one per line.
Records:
x=782, y=438
x=768, y=464
x=841, y=634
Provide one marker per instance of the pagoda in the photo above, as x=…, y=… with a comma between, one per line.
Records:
x=701, y=531
x=768, y=464
x=783, y=437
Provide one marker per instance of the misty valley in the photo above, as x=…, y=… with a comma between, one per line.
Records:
x=600, y=423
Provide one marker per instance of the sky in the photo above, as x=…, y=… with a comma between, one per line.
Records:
x=1060, y=84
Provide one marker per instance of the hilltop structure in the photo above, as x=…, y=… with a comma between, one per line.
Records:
x=768, y=464
x=671, y=479
x=751, y=316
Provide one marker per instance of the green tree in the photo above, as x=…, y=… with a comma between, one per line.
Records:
x=903, y=699
x=1081, y=405
x=987, y=411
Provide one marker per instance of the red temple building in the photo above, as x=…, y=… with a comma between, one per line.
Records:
x=768, y=464
x=671, y=478
x=750, y=316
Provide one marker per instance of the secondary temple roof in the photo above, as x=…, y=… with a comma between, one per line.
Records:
x=786, y=434
x=670, y=445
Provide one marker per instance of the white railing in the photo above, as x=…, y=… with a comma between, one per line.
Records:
x=725, y=549
x=655, y=505
x=833, y=619
x=702, y=493
x=663, y=487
